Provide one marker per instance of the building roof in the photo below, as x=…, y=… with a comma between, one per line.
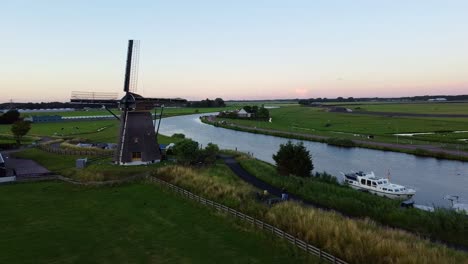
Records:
x=242, y=111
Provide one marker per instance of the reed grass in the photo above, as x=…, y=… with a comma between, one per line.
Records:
x=355, y=240
x=443, y=224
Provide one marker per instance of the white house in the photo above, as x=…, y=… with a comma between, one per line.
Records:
x=243, y=113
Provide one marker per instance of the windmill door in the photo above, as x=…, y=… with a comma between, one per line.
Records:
x=136, y=156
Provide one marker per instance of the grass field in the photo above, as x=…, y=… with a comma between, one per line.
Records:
x=317, y=121
x=60, y=223
x=92, y=130
x=418, y=108
x=168, y=111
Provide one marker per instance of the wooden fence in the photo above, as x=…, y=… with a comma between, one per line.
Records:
x=64, y=151
x=257, y=223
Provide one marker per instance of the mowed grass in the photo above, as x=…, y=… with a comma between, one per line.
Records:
x=317, y=121
x=418, y=108
x=53, y=222
x=168, y=111
x=105, y=131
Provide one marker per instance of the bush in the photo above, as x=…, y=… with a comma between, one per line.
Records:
x=178, y=135
x=186, y=151
x=208, y=155
x=342, y=142
x=293, y=159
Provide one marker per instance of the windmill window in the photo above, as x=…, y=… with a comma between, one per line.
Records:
x=135, y=140
x=136, y=155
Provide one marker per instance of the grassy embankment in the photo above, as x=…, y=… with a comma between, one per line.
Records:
x=442, y=225
x=355, y=240
x=53, y=222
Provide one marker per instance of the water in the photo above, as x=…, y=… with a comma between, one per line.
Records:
x=431, y=178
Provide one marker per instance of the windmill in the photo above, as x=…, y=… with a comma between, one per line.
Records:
x=137, y=142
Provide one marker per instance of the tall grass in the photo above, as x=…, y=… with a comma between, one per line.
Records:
x=357, y=241
x=216, y=182
x=445, y=225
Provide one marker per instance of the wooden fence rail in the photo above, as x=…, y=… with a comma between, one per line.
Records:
x=64, y=151
x=256, y=223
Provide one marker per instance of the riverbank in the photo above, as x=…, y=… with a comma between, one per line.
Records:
x=322, y=191
x=356, y=240
x=418, y=150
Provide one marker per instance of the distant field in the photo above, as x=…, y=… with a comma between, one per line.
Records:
x=419, y=108
x=167, y=111
x=53, y=222
x=317, y=121
x=259, y=103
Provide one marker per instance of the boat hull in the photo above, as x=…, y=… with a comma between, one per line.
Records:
x=396, y=196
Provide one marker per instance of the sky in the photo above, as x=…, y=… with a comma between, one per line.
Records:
x=243, y=49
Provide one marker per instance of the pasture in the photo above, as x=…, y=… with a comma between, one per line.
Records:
x=318, y=121
x=417, y=108
x=52, y=222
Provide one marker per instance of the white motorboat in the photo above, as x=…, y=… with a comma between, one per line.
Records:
x=380, y=186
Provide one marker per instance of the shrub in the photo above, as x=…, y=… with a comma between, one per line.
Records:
x=178, y=135
x=186, y=151
x=293, y=159
x=342, y=142
x=208, y=155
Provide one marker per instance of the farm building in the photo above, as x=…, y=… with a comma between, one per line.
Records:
x=44, y=118
x=243, y=113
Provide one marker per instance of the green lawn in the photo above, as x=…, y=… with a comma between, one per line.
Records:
x=420, y=108
x=53, y=222
x=317, y=121
x=92, y=130
x=168, y=111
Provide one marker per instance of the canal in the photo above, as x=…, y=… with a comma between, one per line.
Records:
x=431, y=178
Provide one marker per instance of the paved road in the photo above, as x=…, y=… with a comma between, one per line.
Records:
x=232, y=163
x=23, y=167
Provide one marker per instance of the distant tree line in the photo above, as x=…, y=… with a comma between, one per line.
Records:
x=379, y=99
x=10, y=117
x=218, y=102
x=50, y=105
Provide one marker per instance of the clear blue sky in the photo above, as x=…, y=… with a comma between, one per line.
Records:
x=235, y=49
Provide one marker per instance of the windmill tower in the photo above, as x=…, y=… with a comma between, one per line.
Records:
x=137, y=143
x=137, y=138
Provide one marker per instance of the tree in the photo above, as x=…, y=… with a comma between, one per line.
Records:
x=10, y=117
x=20, y=129
x=293, y=159
x=263, y=113
x=208, y=155
x=218, y=102
x=186, y=151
